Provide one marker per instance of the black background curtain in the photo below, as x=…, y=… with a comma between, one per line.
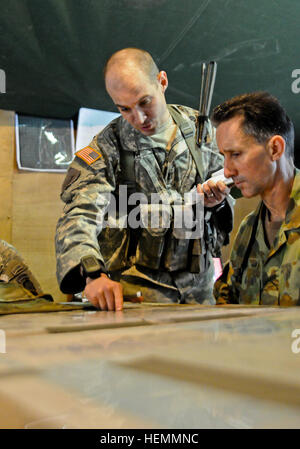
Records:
x=53, y=51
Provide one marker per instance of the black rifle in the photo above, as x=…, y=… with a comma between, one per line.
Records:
x=208, y=77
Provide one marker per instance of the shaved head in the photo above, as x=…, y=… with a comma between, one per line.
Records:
x=128, y=61
x=137, y=88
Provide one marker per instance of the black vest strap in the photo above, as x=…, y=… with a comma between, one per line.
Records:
x=189, y=136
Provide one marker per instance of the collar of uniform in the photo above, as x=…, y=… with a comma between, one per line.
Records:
x=292, y=220
x=154, y=141
x=165, y=125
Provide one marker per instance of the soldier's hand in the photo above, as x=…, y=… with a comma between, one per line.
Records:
x=104, y=293
x=214, y=192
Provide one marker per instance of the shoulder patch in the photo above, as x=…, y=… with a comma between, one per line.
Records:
x=88, y=155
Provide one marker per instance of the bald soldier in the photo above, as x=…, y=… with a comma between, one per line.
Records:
x=257, y=138
x=146, y=154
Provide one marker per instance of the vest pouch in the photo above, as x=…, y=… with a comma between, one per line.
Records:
x=155, y=222
x=247, y=282
x=177, y=247
x=176, y=254
x=182, y=252
x=114, y=243
x=199, y=261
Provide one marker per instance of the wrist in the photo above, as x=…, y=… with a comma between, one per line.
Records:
x=219, y=206
x=91, y=267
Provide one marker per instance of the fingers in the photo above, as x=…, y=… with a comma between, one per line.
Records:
x=214, y=193
x=114, y=297
x=211, y=190
x=119, y=298
x=223, y=188
x=101, y=302
x=104, y=293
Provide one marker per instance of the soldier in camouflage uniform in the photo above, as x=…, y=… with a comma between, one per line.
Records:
x=16, y=280
x=147, y=150
x=257, y=138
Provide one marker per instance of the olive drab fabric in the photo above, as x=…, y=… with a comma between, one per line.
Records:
x=16, y=280
x=271, y=276
x=20, y=292
x=143, y=165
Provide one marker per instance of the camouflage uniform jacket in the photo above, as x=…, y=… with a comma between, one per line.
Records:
x=271, y=278
x=86, y=190
x=16, y=279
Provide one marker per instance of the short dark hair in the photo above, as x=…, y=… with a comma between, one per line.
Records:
x=263, y=116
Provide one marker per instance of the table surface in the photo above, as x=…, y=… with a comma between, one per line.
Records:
x=151, y=366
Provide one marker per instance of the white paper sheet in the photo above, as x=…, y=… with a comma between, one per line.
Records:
x=90, y=123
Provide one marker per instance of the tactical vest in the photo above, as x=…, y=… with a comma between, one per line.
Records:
x=127, y=157
x=156, y=248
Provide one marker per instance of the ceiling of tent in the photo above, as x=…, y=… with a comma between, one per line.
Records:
x=52, y=52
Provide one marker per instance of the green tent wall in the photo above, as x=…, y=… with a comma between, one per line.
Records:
x=53, y=51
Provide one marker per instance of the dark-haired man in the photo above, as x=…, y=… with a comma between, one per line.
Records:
x=257, y=139
x=148, y=151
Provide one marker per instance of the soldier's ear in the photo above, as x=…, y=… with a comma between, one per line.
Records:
x=163, y=80
x=276, y=147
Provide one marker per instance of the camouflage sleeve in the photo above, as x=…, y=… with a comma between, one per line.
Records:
x=86, y=192
x=14, y=270
x=224, y=291
x=226, y=288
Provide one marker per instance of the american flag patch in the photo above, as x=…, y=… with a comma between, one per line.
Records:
x=88, y=155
